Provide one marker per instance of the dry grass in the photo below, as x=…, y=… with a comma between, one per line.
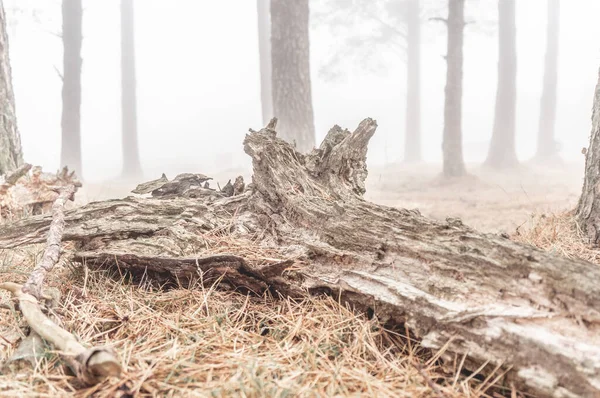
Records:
x=557, y=233
x=195, y=342
x=201, y=342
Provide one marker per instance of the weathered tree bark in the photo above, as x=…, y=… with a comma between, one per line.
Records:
x=454, y=165
x=412, y=143
x=131, y=157
x=547, y=149
x=72, y=15
x=290, y=57
x=11, y=154
x=264, y=49
x=588, y=209
x=502, y=153
x=302, y=227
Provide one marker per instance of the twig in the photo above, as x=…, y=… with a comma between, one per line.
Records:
x=60, y=75
x=438, y=19
x=430, y=383
x=90, y=365
x=12, y=178
x=35, y=282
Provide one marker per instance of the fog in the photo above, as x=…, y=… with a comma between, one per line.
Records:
x=199, y=83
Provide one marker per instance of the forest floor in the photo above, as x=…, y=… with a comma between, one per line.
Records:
x=485, y=200
x=195, y=342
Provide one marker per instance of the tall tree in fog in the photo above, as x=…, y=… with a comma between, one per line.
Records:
x=547, y=149
x=391, y=23
x=454, y=165
x=412, y=140
x=11, y=155
x=131, y=158
x=264, y=49
x=290, y=55
x=588, y=209
x=72, y=16
x=502, y=152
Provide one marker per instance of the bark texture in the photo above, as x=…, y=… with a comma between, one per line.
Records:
x=131, y=158
x=502, y=152
x=264, y=49
x=412, y=143
x=290, y=57
x=588, y=209
x=454, y=165
x=547, y=150
x=11, y=154
x=302, y=227
x=72, y=15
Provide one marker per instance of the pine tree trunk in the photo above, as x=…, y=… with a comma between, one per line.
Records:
x=547, y=150
x=412, y=144
x=502, y=152
x=588, y=209
x=72, y=14
x=454, y=165
x=11, y=155
x=290, y=52
x=264, y=49
x=131, y=158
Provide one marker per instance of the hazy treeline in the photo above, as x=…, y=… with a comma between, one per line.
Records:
x=313, y=64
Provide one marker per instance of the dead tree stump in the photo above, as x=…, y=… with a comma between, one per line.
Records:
x=302, y=227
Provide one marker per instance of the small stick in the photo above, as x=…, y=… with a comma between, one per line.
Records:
x=51, y=255
x=90, y=365
x=11, y=179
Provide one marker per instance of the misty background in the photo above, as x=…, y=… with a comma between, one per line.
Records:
x=198, y=83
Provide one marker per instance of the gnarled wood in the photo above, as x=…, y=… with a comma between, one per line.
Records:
x=303, y=226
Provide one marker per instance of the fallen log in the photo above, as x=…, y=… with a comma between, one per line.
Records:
x=302, y=227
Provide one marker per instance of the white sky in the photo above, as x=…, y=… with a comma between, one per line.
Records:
x=198, y=84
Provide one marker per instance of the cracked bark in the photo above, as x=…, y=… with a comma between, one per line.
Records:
x=302, y=227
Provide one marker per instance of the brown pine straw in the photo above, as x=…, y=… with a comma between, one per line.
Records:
x=89, y=364
x=195, y=341
x=202, y=341
x=558, y=233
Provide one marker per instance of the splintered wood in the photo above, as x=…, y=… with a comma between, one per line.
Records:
x=302, y=227
x=29, y=191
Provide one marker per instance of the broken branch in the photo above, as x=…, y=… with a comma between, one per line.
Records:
x=90, y=365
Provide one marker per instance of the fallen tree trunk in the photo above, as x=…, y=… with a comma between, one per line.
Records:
x=302, y=227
